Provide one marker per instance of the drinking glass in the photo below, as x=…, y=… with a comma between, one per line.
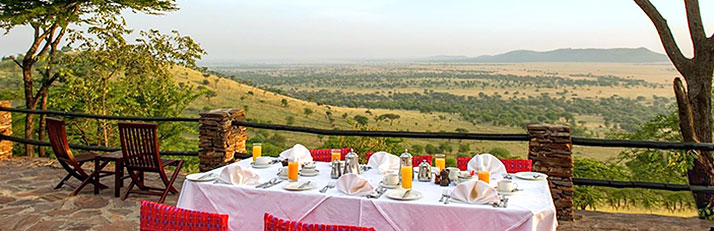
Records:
x=292, y=170
x=336, y=155
x=257, y=150
x=440, y=161
x=484, y=176
x=407, y=176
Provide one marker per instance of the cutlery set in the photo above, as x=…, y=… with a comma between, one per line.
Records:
x=328, y=186
x=271, y=183
x=379, y=192
x=502, y=203
x=445, y=196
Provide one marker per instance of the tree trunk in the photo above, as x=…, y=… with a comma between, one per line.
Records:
x=41, y=128
x=702, y=173
x=29, y=118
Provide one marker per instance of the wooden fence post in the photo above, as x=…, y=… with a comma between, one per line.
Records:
x=5, y=129
x=218, y=139
x=550, y=149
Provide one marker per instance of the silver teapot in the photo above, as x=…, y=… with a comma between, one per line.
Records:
x=424, y=173
x=351, y=163
x=336, y=171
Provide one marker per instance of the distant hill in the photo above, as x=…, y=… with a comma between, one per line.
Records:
x=616, y=55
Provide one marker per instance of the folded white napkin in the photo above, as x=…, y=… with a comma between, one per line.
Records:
x=475, y=192
x=384, y=162
x=487, y=162
x=298, y=153
x=353, y=184
x=238, y=175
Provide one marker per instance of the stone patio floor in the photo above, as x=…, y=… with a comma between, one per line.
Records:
x=29, y=202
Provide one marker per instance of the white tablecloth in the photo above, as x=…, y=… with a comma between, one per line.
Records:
x=531, y=209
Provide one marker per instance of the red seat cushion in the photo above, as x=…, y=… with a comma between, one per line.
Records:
x=273, y=223
x=417, y=160
x=325, y=155
x=512, y=165
x=155, y=216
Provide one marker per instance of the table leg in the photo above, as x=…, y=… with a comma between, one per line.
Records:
x=97, y=169
x=118, y=174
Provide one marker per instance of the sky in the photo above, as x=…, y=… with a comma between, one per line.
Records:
x=244, y=30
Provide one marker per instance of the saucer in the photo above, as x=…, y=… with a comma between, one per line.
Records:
x=259, y=166
x=511, y=193
x=396, y=194
x=388, y=186
x=295, y=186
x=303, y=173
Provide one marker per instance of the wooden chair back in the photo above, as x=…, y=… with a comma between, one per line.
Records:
x=60, y=146
x=140, y=146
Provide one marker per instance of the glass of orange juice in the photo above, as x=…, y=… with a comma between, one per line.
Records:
x=336, y=155
x=440, y=161
x=484, y=176
x=293, y=170
x=407, y=176
x=257, y=150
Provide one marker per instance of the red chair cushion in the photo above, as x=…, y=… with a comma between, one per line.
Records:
x=273, y=223
x=512, y=165
x=517, y=165
x=325, y=155
x=155, y=216
x=417, y=160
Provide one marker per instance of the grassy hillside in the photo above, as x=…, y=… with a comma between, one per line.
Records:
x=267, y=107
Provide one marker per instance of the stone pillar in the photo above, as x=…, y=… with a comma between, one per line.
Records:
x=5, y=129
x=549, y=148
x=218, y=139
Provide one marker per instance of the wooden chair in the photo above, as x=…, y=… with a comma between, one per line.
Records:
x=140, y=148
x=70, y=162
x=155, y=216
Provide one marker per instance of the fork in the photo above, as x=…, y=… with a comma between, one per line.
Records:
x=273, y=184
x=329, y=185
x=267, y=182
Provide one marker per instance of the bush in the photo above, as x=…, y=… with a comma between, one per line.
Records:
x=450, y=162
x=501, y=153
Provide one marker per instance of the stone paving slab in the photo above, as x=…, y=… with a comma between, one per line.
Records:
x=28, y=200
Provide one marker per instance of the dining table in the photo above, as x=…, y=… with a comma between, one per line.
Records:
x=529, y=209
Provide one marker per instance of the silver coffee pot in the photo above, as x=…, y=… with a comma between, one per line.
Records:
x=336, y=171
x=351, y=163
x=424, y=174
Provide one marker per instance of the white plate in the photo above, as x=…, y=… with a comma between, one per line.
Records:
x=509, y=193
x=303, y=173
x=197, y=176
x=295, y=186
x=388, y=186
x=396, y=194
x=531, y=175
x=258, y=166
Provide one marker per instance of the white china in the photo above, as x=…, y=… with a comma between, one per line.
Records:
x=283, y=172
x=398, y=194
x=531, y=175
x=259, y=166
x=299, y=186
x=263, y=160
x=309, y=172
x=507, y=186
x=389, y=186
x=202, y=176
x=453, y=173
x=391, y=179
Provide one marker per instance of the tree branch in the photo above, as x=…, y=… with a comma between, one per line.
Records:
x=16, y=62
x=665, y=35
x=696, y=29
x=684, y=110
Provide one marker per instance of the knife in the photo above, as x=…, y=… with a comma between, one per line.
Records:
x=273, y=184
x=304, y=184
x=206, y=175
x=406, y=193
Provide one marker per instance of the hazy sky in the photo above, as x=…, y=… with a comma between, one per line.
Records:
x=338, y=29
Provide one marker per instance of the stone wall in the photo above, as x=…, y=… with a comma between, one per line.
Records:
x=550, y=149
x=219, y=140
x=5, y=129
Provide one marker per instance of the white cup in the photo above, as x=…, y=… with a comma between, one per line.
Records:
x=309, y=165
x=453, y=173
x=283, y=171
x=507, y=186
x=308, y=170
x=391, y=179
x=263, y=160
